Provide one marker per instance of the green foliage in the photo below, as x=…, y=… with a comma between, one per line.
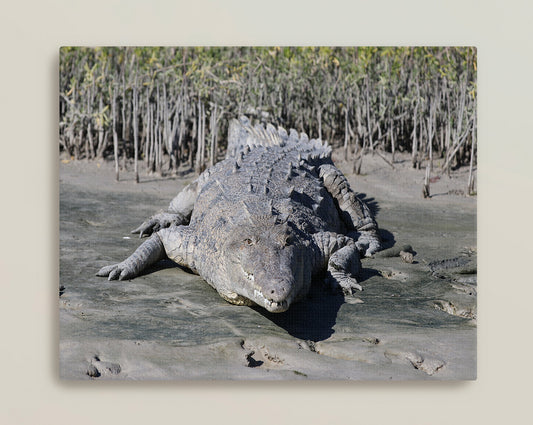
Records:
x=386, y=91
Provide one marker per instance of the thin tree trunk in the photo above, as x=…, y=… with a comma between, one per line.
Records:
x=135, y=132
x=147, y=129
x=431, y=129
x=181, y=134
x=448, y=140
x=202, y=155
x=441, y=149
x=192, y=147
x=88, y=139
x=470, y=190
x=159, y=135
x=346, y=132
x=213, y=127
x=319, y=119
x=392, y=141
x=368, y=123
x=100, y=128
x=148, y=145
x=198, y=138
x=78, y=143
x=425, y=189
x=115, y=136
x=125, y=136
x=90, y=154
x=87, y=148
x=416, y=163
x=200, y=152
x=151, y=132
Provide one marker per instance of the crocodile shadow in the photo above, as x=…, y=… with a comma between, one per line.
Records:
x=313, y=319
x=161, y=265
x=387, y=239
x=370, y=202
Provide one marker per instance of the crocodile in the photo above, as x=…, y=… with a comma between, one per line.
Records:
x=259, y=225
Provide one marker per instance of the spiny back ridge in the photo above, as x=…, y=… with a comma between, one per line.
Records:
x=242, y=135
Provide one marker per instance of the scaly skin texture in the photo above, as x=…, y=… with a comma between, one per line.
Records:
x=258, y=225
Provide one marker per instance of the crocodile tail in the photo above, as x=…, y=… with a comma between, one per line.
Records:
x=242, y=136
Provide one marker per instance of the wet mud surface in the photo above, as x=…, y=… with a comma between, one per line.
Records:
x=412, y=321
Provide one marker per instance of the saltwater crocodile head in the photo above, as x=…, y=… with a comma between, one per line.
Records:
x=265, y=263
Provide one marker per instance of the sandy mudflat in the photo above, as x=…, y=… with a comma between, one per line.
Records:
x=408, y=323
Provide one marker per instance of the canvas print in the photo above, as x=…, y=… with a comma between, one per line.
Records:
x=268, y=213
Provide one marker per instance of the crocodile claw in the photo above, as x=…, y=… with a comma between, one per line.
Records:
x=367, y=243
x=158, y=222
x=340, y=281
x=148, y=227
x=118, y=271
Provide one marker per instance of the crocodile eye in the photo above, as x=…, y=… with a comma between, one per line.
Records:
x=288, y=240
x=248, y=241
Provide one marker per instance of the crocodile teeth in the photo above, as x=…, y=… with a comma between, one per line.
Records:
x=249, y=276
x=268, y=302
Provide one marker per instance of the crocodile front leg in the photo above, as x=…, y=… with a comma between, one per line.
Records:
x=179, y=212
x=151, y=251
x=180, y=244
x=354, y=213
x=159, y=221
x=341, y=255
